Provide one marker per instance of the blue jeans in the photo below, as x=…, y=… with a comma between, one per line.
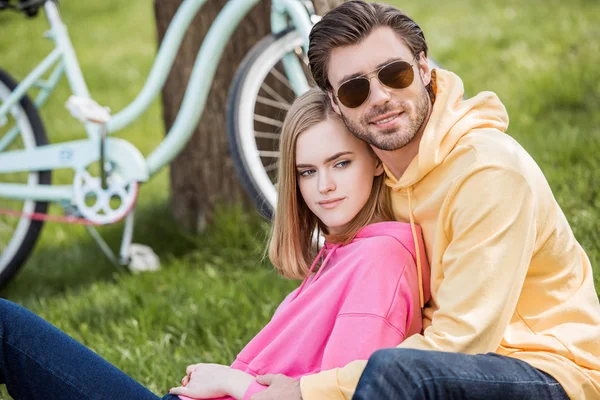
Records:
x=417, y=374
x=38, y=361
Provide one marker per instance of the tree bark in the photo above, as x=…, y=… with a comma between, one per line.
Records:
x=322, y=6
x=203, y=174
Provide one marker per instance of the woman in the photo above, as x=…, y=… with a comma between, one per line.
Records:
x=361, y=290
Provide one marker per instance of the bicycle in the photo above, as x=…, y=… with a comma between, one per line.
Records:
x=27, y=159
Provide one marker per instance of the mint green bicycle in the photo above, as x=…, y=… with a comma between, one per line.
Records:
x=108, y=170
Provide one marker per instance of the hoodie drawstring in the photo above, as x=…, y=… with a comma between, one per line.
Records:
x=314, y=264
x=417, y=249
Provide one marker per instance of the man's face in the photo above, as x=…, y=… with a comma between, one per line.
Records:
x=390, y=118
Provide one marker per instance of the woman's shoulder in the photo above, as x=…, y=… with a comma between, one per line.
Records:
x=386, y=236
x=388, y=249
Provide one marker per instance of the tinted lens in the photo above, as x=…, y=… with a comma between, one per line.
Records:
x=354, y=92
x=397, y=75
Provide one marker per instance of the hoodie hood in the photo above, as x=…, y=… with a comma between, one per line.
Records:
x=451, y=119
x=409, y=236
x=399, y=231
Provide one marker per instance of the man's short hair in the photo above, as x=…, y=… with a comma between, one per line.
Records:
x=349, y=24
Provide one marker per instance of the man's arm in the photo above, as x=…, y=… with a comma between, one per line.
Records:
x=490, y=225
x=491, y=229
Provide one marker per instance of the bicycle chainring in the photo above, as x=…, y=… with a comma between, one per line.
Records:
x=103, y=205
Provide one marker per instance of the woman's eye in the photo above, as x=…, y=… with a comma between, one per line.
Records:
x=342, y=164
x=307, y=172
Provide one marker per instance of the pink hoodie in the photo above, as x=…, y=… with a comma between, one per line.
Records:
x=364, y=297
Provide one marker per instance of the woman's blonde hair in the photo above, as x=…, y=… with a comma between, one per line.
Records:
x=291, y=245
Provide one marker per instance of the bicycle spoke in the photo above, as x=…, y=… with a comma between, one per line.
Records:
x=266, y=135
x=272, y=92
x=268, y=154
x=272, y=167
x=278, y=104
x=268, y=121
x=281, y=78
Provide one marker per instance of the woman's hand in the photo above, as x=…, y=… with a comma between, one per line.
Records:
x=186, y=379
x=206, y=381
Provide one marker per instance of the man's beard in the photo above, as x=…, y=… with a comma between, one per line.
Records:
x=392, y=139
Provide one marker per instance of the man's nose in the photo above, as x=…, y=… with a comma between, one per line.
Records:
x=380, y=94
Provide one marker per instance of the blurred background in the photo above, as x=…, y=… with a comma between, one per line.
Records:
x=215, y=290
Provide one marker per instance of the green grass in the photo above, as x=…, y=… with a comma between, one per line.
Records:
x=214, y=292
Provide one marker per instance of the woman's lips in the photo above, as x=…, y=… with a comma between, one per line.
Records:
x=329, y=204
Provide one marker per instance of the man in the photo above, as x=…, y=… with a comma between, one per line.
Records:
x=513, y=313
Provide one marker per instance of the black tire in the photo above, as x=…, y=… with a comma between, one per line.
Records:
x=9, y=266
x=280, y=43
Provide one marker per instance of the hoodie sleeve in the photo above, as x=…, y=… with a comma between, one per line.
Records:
x=490, y=227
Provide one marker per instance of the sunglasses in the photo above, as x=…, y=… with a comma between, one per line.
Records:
x=396, y=75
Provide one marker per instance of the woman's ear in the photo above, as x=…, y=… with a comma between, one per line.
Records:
x=379, y=168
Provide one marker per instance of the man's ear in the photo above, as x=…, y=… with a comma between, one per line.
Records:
x=334, y=103
x=424, y=69
x=379, y=168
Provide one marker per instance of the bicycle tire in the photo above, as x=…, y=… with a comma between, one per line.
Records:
x=27, y=231
x=263, y=60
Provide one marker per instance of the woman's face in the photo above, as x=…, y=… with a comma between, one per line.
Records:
x=335, y=172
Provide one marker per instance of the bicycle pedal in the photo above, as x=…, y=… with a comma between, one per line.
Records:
x=142, y=259
x=86, y=109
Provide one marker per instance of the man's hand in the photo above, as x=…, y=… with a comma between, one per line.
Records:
x=281, y=387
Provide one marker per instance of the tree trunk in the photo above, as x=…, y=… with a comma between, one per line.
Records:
x=203, y=174
x=322, y=6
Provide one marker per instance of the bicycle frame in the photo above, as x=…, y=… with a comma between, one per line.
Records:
x=133, y=166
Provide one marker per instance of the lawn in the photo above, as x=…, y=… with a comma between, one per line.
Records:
x=214, y=291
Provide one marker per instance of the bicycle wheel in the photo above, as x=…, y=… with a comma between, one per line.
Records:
x=259, y=98
x=18, y=235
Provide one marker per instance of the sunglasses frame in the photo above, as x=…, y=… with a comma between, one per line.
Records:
x=375, y=74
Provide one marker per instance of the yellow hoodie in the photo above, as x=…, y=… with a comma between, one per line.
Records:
x=507, y=274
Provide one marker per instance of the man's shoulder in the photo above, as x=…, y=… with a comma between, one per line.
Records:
x=490, y=148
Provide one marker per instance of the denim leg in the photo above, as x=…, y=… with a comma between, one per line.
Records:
x=417, y=374
x=38, y=361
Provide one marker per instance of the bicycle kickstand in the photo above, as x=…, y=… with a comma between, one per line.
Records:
x=134, y=256
x=137, y=257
